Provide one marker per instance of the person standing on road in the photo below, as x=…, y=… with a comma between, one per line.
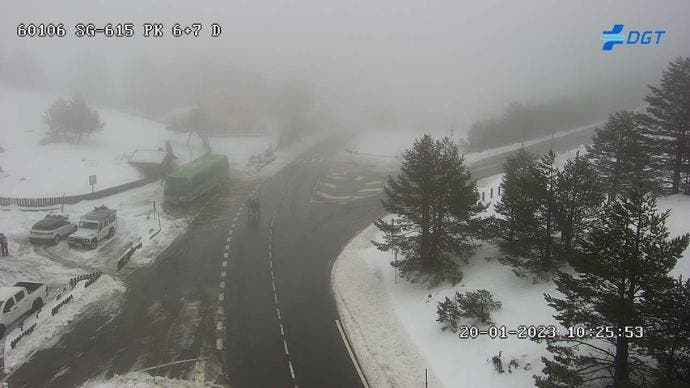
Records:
x=250, y=209
x=3, y=244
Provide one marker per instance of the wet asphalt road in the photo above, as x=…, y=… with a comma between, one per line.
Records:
x=306, y=238
x=219, y=322
x=170, y=312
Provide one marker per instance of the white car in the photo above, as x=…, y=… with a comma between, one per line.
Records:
x=51, y=229
x=95, y=226
x=17, y=300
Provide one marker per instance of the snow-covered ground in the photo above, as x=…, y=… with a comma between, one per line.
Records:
x=102, y=296
x=392, y=324
x=142, y=380
x=135, y=220
x=475, y=156
x=56, y=265
x=387, y=146
x=31, y=169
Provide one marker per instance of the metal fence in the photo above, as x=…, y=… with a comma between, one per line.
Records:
x=37, y=202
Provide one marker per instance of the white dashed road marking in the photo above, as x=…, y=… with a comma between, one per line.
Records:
x=276, y=300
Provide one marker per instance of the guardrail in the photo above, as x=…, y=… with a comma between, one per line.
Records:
x=128, y=254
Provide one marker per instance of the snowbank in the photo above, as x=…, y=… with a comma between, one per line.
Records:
x=387, y=355
x=142, y=380
x=476, y=156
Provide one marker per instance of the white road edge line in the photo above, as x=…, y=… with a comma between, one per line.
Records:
x=292, y=371
x=352, y=355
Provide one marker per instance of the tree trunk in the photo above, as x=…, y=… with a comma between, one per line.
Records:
x=424, y=247
x=677, y=163
x=676, y=171
x=620, y=363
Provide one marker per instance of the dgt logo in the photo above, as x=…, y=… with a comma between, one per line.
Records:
x=614, y=37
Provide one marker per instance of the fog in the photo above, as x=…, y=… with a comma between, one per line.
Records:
x=400, y=64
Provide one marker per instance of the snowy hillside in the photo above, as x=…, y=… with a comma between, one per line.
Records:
x=31, y=169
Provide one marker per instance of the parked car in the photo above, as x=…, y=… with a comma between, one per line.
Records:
x=97, y=225
x=17, y=300
x=51, y=229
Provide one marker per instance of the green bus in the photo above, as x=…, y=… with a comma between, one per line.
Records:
x=192, y=180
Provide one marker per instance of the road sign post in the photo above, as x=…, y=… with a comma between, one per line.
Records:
x=92, y=181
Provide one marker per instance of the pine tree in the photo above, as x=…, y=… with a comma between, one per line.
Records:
x=545, y=190
x=472, y=304
x=434, y=204
x=578, y=194
x=669, y=108
x=448, y=314
x=621, y=153
x=83, y=119
x=531, y=208
x=667, y=337
x=477, y=304
x=517, y=224
x=71, y=120
x=623, y=256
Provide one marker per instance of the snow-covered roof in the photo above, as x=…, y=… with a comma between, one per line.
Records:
x=148, y=156
x=7, y=292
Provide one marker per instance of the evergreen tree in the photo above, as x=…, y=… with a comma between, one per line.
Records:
x=624, y=255
x=621, y=154
x=434, y=203
x=448, y=314
x=71, y=120
x=578, y=194
x=517, y=224
x=667, y=337
x=473, y=304
x=531, y=210
x=545, y=196
x=669, y=108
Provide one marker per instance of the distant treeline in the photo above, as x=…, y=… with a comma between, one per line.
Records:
x=522, y=122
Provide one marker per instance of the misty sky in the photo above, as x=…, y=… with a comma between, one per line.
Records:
x=455, y=61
